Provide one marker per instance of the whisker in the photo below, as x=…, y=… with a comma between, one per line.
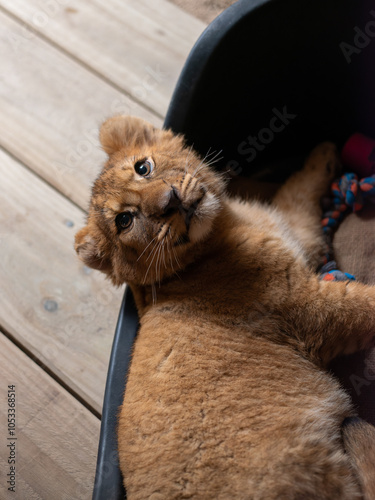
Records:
x=176, y=259
x=198, y=168
x=210, y=163
x=216, y=155
x=157, y=251
x=153, y=239
x=208, y=154
x=169, y=247
x=202, y=161
x=187, y=157
x=206, y=161
x=165, y=265
x=215, y=158
x=152, y=260
x=158, y=262
x=152, y=251
x=153, y=289
x=170, y=254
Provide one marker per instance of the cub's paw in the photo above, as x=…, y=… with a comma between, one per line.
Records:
x=324, y=161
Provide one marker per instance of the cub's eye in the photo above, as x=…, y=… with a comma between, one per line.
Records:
x=143, y=167
x=124, y=220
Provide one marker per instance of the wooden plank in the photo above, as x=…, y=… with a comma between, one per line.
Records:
x=140, y=45
x=55, y=307
x=55, y=438
x=206, y=11
x=51, y=108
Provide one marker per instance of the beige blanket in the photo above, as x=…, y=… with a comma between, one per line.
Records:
x=354, y=247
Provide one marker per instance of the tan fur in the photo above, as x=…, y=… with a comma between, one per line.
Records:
x=359, y=439
x=227, y=396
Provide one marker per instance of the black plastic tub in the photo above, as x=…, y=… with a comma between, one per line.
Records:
x=266, y=82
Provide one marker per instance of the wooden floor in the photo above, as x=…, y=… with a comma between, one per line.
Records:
x=65, y=67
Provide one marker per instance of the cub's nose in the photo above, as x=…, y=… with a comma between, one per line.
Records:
x=176, y=204
x=173, y=204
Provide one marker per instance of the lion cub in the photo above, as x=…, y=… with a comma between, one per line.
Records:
x=227, y=395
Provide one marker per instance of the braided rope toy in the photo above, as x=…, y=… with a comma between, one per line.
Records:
x=348, y=195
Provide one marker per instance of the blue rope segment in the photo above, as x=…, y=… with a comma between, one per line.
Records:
x=348, y=194
x=329, y=272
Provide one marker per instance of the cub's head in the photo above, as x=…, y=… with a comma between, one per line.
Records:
x=153, y=203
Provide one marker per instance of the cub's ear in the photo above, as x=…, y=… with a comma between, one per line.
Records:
x=88, y=251
x=126, y=131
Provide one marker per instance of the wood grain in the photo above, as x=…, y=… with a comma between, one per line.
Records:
x=206, y=10
x=65, y=67
x=50, y=111
x=139, y=45
x=60, y=311
x=56, y=437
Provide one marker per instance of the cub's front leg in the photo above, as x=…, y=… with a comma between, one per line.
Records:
x=299, y=200
x=332, y=318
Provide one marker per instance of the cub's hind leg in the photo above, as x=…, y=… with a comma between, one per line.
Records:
x=299, y=200
x=359, y=443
